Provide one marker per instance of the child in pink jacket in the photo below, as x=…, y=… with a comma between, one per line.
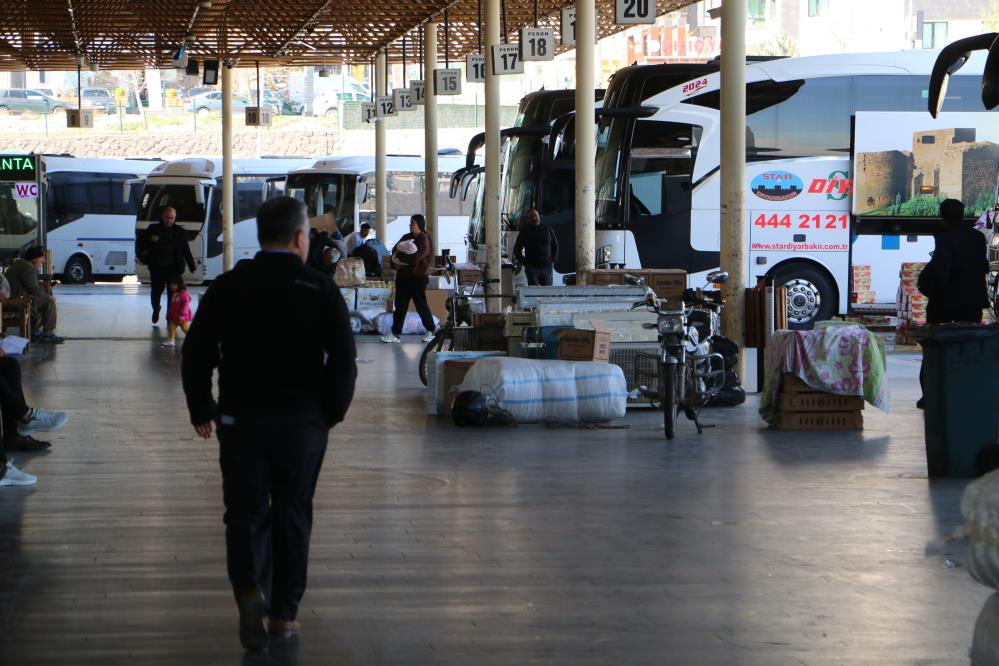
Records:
x=179, y=311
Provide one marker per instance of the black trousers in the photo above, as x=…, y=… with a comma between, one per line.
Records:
x=539, y=275
x=158, y=278
x=936, y=315
x=411, y=289
x=12, y=404
x=269, y=473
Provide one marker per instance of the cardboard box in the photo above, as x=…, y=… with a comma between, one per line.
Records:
x=577, y=344
x=489, y=331
x=488, y=319
x=454, y=373
x=469, y=276
x=516, y=322
x=820, y=402
x=373, y=298
x=820, y=420
x=861, y=296
x=668, y=283
x=437, y=300
x=439, y=261
x=794, y=384
x=603, y=277
x=436, y=395
x=350, y=297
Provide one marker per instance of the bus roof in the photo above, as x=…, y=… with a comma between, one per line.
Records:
x=917, y=62
x=99, y=165
x=364, y=165
x=211, y=167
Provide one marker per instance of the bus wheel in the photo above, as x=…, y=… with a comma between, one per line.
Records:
x=77, y=270
x=811, y=294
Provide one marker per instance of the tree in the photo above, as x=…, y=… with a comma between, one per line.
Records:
x=990, y=16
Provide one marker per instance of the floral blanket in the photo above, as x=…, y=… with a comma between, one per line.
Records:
x=844, y=360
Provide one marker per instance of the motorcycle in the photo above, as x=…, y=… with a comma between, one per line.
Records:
x=689, y=373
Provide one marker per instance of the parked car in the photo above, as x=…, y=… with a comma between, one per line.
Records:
x=200, y=90
x=45, y=91
x=328, y=103
x=212, y=101
x=268, y=100
x=99, y=99
x=20, y=100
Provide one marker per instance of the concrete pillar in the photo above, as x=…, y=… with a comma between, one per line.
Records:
x=586, y=148
x=491, y=201
x=227, y=212
x=733, y=168
x=381, y=148
x=430, y=134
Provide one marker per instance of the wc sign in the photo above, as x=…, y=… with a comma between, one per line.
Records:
x=26, y=190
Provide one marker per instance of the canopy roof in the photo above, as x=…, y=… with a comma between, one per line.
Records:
x=131, y=34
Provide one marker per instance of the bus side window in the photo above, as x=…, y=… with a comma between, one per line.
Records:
x=660, y=167
x=249, y=196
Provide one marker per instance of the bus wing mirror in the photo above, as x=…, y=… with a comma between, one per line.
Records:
x=126, y=188
x=362, y=191
x=990, y=77
x=468, y=186
x=270, y=187
x=199, y=194
x=952, y=58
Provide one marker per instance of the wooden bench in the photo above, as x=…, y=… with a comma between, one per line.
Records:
x=16, y=312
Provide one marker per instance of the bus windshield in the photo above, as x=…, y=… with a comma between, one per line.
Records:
x=329, y=198
x=18, y=219
x=181, y=198
x=611, y=147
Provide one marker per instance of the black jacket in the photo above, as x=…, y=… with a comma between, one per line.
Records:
x=954, y=279
x=536, y=246
x=303, y=369
x=170, y=249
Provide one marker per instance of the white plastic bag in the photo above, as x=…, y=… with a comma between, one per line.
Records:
x=406, y=247
x=542, y=390
x=412, y=325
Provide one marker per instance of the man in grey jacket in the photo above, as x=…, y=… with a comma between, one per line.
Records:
x=24, y=283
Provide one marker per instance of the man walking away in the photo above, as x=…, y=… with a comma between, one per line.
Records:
x=22, y=276
x=163, y=248
x=536, y=250
x=954, y=279
x=277, y=403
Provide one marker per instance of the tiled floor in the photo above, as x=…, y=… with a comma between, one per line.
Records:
x=499, y=546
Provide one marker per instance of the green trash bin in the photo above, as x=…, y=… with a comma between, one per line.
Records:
x=961, y=391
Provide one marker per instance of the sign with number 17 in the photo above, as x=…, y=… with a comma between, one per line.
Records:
x=506, y=59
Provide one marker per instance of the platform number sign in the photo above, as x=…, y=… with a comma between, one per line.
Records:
x=506, y=59
x=385, y=107
x=368, y=112
x=447, y=81
x=537, y=44
x=569, y=26
x=633, y=12
x=403, y=98
x=419, y=89
x=475, y=68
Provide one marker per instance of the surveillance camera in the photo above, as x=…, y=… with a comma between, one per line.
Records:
x=715, y=13
x=324, y=73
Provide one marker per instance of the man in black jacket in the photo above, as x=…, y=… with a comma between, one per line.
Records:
x=536, y=249
x=163, y=248
x=954, y=279
x=277, y=403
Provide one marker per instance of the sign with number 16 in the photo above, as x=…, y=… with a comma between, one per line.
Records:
x=475, y=68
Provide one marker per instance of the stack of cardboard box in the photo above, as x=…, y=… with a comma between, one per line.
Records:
x=803, y=408
x=668, y=283
x=862, y=292
x=911, y=304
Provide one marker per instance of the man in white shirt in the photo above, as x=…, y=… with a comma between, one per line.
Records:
x=357, y=239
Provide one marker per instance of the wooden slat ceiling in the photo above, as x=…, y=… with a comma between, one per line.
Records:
x=130, y=34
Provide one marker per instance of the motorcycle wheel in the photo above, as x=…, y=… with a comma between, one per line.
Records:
x=667, y=397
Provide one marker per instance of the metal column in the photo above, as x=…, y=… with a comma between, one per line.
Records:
x=586, y=148
x=494, y=258
x=381, y=175
x=733, y=167
x=430, y=132
x=227, y=178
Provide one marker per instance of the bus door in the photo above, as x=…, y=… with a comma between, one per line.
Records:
x=657, y=200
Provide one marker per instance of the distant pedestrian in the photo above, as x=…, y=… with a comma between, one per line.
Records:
x=536, y=250
x=357, y=238
x=954, y=279
x=411, y=259
x=178, y=310
x=163, y=248
x=277, y=401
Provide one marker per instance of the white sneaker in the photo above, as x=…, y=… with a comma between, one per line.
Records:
x=429, y=337
x=15, y=477
x=389, y=338
x=169, y=343
x=42, y=420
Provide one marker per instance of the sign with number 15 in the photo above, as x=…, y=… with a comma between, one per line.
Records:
x=447, y=81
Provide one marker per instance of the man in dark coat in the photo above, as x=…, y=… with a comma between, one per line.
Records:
x=163, y=248
x=536, y=250
x=277, y=403
x=954, y=279
x=22, y=276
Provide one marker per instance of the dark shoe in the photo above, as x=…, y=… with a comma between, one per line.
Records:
x=921, y=403
x=52, y=339
x=252, y=611
x=156, y=316
x=284, y=629
x=26, y=444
